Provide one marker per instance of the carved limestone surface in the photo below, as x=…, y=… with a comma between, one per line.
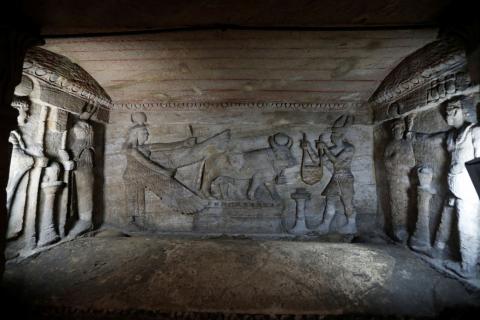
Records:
x=235, y=177
x=301, y=196
x=339, y=192
x=50, y=189
x=260, y=167
x=81, y=145
x=463, y=144
x=61, y=73
x=142, y=173
x=399, y=161
x=421, y=239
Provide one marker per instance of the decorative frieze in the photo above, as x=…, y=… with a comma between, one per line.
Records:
x=236, y=106
x=60, y=73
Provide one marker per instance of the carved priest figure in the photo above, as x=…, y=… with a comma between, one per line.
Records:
x=463, y=144
x=399, y=161
x=340, y=188
x=81, y=143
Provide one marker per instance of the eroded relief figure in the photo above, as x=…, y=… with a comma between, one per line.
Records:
x=463, y=145
x=21, y=162
x=143, y=173
x=399, y=161
x=20, y=165
x=339, y=191
x=81, y=144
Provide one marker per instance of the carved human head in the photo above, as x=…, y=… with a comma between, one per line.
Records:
x=398, y=129
x=455, y=114
x=21, y=100
x=139, y=118
x=87, y=112
x=340, y=127
x=137, y=136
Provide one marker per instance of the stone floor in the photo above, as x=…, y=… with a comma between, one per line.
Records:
x=145, y=277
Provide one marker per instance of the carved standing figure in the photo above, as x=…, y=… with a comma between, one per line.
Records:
x=142, y=172
x=20, y=165
x=463, y=145
x=340, y=188
x=81, y=144
x=399, y=161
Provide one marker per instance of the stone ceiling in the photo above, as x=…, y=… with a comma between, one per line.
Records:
x=243, y=66
x=62, y=17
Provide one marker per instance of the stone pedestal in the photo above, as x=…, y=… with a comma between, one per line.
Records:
x=420, y=240
x=300, y=196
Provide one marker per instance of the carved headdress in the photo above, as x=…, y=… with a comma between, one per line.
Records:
x=139, y=119
x=342, y=123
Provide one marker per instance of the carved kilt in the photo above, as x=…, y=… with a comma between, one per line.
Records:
x=341, y=184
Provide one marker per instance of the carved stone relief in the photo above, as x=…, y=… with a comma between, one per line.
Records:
x=421, y=239
x=462, y=144
x=236, y=181
x=158, y=176
x=399, y=161
x=261, y=167
x=50, y=184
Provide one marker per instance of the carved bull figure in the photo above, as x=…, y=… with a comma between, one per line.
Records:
x=262, y=166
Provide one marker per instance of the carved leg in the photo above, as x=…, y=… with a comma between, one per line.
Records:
x=272, y=189
x=351, y=226
x=84, y=183
x=254, y=185
x=30, y=232
x=136, y=202
x=329, y=213
x=206, y=185
x=443, y=232
x=399, y=207
x=468, y=229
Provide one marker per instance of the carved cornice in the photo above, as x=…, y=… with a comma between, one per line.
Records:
x=61, y=73
x=425, y=65
x=235, y=106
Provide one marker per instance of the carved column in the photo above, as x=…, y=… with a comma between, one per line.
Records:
x=420, y=240
x=300, y=196
x=50, y=186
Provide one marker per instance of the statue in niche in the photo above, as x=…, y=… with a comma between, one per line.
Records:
x=399, y=161
x=340, y=188
x=81, y=145
x=20, y=165
x=260, y=167
x=21, y=162
x=143, y=173
x=463, y=145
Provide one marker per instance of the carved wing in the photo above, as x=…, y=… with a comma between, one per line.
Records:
x=175, y=195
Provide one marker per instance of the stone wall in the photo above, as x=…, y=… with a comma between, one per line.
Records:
x=234, y=213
